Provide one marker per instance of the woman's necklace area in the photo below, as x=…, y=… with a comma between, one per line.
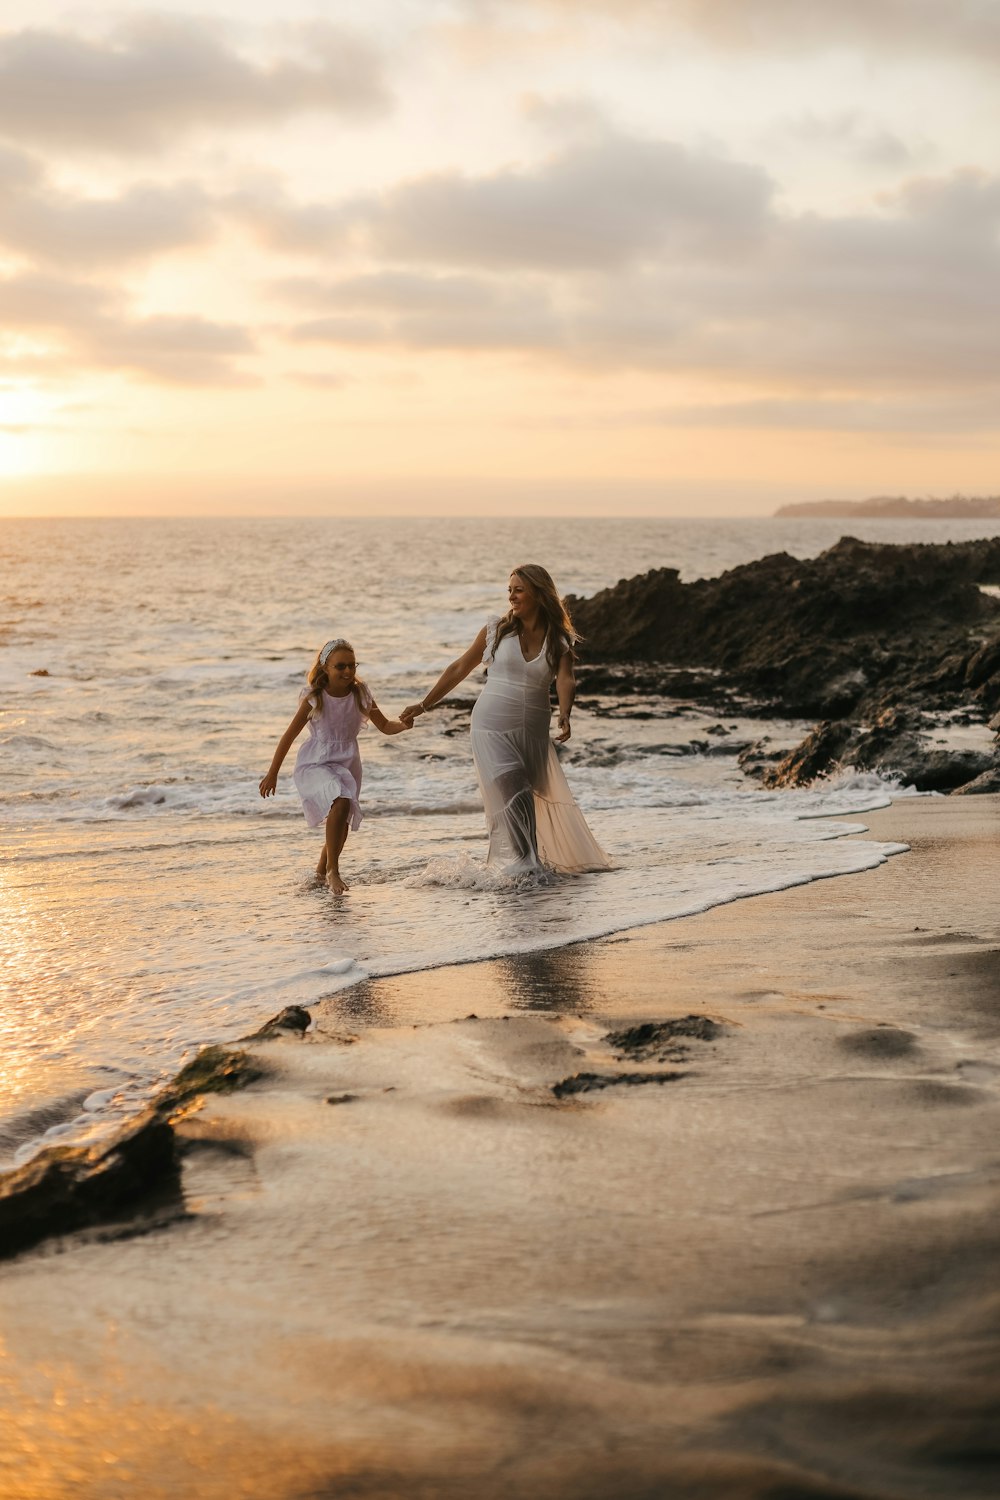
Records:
x=530, y=645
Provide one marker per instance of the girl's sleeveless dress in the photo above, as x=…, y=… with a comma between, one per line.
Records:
x=328, y=764
x=532, y=818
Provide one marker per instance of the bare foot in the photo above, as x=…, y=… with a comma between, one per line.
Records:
x=337, y=886
x=321, y=869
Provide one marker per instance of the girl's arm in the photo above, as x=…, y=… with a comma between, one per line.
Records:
x=387, y=726
x=269, y=782
x=565, y=692
x=450, y=678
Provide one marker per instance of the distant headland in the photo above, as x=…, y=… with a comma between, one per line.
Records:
x=960, y=507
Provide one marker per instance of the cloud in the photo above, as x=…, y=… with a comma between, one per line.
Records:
x=907, y=297
x=836, y=414
x=565, y=116
x=893, y=26
x=855, y=136
x=158, y=75
x=46, y=224
x=402, y=292
x=88, y=327
x=932, y=417
x=421, y=311
x=687, y=281
x=969, y=28
x=292, y=228
x=318, y=380
x=597, y=205
x=594, y=206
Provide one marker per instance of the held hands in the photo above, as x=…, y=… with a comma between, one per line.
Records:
x=564, y=729
x=413, y=711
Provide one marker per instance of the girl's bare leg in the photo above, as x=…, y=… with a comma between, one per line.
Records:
x=337, y=825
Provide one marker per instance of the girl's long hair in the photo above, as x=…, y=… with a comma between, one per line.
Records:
x=319, y=679
x=561, y=634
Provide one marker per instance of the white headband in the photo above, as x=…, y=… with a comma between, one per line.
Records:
x=338, y=645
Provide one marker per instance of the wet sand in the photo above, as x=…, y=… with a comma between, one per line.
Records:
x=458, y=1242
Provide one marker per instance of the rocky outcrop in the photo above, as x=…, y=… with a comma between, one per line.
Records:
x=65, y=1188
x=894, y=744
x=69, y=1187
x=868, y=638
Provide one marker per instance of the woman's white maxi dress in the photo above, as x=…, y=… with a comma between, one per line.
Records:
x=532, y=818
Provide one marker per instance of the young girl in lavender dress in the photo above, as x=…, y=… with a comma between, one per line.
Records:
x=534, y=824
x=335, y=705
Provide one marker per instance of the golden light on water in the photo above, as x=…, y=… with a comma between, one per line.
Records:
x=36, y=964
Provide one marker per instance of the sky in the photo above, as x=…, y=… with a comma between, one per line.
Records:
x=581, y=257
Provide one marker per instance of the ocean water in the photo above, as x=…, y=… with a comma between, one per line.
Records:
x=152, y=902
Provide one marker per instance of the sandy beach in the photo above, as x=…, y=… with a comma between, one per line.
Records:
x=523, y=1228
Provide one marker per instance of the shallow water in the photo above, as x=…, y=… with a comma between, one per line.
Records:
x=152, y=902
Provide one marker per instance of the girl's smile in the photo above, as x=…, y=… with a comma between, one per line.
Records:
x=340, y=670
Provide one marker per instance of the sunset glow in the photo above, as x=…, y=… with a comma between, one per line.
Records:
x=635, y=258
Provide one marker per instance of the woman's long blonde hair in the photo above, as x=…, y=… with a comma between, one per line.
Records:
x=561, y=634
x=319, y=677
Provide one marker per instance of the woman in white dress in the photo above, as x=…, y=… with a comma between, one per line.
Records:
x=532, y=818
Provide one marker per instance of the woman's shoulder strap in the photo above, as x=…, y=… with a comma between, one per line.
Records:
x=491, y=638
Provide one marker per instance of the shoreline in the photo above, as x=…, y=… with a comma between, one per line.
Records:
x=402, y=1263
x=55, y=1098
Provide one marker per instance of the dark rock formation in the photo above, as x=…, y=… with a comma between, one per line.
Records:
x=663, y=1041
x=71, y=1187
x=986, y=781
x=894, y=743
x=294, y=1020
x=215, y=1070
x=868, y=638
x=588, y=1083
x=756, y=759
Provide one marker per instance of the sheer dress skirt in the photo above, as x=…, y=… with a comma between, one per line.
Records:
x=530, y=812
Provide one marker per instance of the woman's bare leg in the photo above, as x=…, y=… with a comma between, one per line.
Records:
x=338, y=821
x=518, y=817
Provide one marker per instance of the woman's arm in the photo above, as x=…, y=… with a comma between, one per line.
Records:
x=565, y=692
x=387, y=726
x=269, y=782
x=450, y=678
